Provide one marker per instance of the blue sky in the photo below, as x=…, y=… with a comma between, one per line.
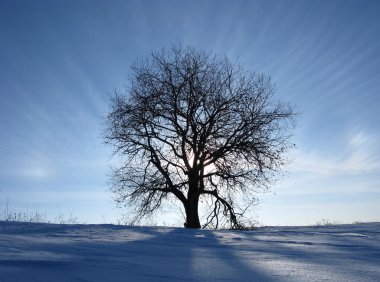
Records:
x=59, y=60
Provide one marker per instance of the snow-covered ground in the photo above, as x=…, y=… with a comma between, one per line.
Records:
x=48, y=252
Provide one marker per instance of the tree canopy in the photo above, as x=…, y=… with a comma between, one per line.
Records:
x=200, y=130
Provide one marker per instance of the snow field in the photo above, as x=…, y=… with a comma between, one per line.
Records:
x=52, y=252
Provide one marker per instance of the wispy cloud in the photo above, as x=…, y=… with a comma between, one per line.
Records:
x=32, y=166
x=359, y=156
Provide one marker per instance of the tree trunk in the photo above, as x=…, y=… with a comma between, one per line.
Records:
x=192, y=217
x=191, y=205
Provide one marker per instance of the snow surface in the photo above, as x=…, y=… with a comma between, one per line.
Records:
x=48, y=252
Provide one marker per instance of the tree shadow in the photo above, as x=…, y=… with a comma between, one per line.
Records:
x=124, y=254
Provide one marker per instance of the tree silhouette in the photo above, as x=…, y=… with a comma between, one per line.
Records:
x=200, y=130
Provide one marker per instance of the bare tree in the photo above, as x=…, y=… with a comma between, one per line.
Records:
x=200, y=130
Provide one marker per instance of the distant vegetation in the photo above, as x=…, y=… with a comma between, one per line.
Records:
x=36, y=216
